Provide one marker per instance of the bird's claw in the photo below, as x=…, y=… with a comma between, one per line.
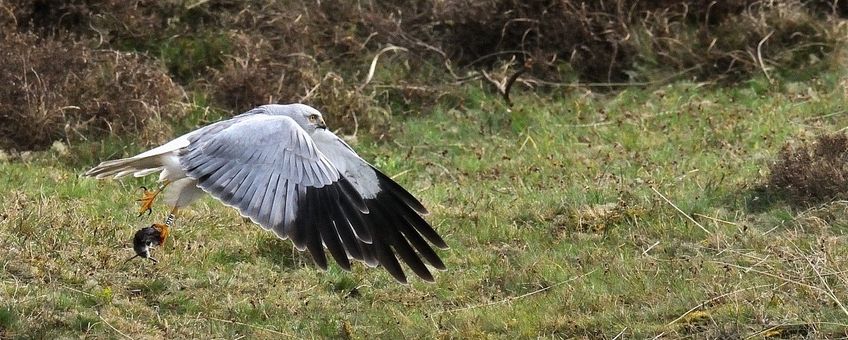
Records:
x=147, y=198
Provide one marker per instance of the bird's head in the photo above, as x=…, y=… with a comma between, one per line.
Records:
x=306, y=116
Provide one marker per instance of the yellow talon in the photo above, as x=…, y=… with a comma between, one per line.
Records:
x=148, y=197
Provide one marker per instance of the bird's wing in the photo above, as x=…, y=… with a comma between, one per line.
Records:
x=269, y=169
x=155, y=160
x=394, y=215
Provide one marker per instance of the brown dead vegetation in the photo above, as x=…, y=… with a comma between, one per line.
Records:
x=242, y=54
x=65, y=91
x=813, y=172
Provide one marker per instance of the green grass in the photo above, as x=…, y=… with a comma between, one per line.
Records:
x=552, y=212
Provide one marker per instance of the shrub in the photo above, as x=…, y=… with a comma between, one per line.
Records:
x=63, y=90
x=618, y=40
x=813, y=172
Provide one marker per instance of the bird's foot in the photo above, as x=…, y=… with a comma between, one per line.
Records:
x=148, y=197
x=164, y=231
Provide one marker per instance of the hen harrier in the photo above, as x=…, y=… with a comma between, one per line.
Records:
x=282, y=168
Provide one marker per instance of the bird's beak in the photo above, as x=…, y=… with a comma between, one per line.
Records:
x=322, y=124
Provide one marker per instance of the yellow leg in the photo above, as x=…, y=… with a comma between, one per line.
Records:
x=148, y=197
x=165, y=229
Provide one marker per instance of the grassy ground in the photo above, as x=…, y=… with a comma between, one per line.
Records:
x=598, y=216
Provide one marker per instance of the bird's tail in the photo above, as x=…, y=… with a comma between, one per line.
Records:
x=121, y=167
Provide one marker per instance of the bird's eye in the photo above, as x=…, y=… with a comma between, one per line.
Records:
x=313, y=118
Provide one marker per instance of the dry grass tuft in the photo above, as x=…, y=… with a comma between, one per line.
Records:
x=617, y=40
x=594, y=219
x=813, y=172
x=316, y=54
x=764, y=36
x=110, y=20
x=60, y=90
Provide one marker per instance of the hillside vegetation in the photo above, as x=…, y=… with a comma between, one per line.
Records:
x=90, y=68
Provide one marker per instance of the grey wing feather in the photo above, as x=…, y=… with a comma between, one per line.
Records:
x=269, y=169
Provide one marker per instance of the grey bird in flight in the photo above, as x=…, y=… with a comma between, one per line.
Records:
x=281, y=167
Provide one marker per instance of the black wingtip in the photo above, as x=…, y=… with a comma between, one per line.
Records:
x=357, y=222
x=388, y=260
x=322, y=265
x=352, y=194
x=390, y=185
x=327, y=229
x=440, y=243
x=401, y=280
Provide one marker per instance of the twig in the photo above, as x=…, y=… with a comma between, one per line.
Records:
x=495, y=54
x=504, y=86
x=620, y=333
x=374, y=63
x=770, y=230
x=681, y=211
x=645, y=252
x=702, y=304
x=77, y=291
x=355, y=123
x=397, y=175
x=528, y=139
x=716, y=219
x=201, y=2
x=589, y=124
x=828, y=290
x=251, y=326
x=601, y=84
x=307, y=289
x=513, y=298
x=761, y=261
x=796, y=324
x=510, y=82
x=311, y=91
x=827, y=274
x=760, y=56
x=770, y=275
x=825, y=116
x=11, y=15
x=613, y=84
x=827, y=286
x=446, y=171
x=112, y=327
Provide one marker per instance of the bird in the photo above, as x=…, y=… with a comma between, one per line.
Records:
x=281, y=167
